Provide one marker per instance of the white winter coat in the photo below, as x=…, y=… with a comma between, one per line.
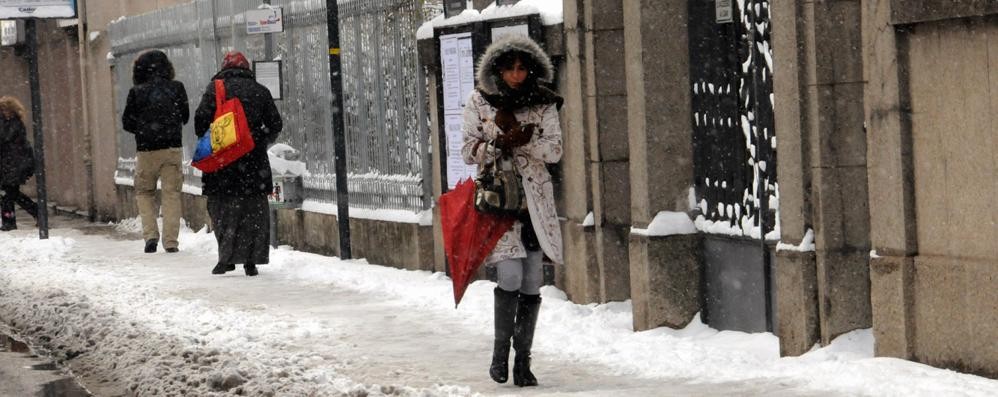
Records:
x=545, y=147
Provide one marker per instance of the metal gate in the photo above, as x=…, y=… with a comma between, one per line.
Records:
x=734, y=158
x=386, y=131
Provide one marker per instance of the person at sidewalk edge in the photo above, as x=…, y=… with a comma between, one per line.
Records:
x=155, y=112
x=17, y=162
x=511, y=114
x=237, y=194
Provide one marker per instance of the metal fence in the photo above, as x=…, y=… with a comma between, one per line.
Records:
x=386, y=127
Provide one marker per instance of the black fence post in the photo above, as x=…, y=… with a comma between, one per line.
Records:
x=339, y=129
x=31, y=36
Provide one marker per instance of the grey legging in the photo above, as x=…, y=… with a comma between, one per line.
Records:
x=523, y=274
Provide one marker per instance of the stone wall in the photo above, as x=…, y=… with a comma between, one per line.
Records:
x=932, y=179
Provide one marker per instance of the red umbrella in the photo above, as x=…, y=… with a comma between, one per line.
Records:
x=469, y=235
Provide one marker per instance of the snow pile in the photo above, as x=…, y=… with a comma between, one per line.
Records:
x=667, y=223
x=284, y=161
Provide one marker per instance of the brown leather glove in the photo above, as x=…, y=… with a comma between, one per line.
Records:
x=515, y=137
x=506, y=120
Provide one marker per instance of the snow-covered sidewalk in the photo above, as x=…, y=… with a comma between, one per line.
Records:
x=313, y=325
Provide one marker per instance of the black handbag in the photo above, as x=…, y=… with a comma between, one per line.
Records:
x=498, y=188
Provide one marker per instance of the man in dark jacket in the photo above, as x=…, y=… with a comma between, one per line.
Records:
x=156, y=112
x=237, y=194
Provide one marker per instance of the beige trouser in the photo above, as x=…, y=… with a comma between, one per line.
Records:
x=161, y=165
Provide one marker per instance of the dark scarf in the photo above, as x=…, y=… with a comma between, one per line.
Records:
x=532, y=95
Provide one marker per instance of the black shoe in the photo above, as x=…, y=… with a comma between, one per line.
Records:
x=505, y=311
x=151, y=246
x=221, y=268
x=172, y=249
x=250, y=269
x=6, y=227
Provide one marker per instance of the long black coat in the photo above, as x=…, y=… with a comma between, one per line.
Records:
x=17, y=160
x=250, y=175
x=156, y=112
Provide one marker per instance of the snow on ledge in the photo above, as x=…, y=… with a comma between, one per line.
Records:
x=425, y=30
x=422, y=218
x=590, y=220
x=667, y=223
x=806, y=244
x=551, y=12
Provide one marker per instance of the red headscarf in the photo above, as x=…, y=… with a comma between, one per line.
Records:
x=235, y=59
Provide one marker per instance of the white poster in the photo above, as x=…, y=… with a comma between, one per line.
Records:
x=457, y=60
x=268, y=74
x=457, y=170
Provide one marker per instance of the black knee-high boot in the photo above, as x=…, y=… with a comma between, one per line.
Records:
x=505, y=312
x=7, y=219
x=527, y=309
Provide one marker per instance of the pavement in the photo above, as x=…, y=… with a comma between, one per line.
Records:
x=375, y=342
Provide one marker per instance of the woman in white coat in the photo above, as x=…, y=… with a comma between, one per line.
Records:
x=512, y=115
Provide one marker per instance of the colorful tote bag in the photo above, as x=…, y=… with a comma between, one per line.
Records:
x=229, y=137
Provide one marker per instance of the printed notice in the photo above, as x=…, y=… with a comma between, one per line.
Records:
x=457, y=170
x=268, y=74
x=457, y=60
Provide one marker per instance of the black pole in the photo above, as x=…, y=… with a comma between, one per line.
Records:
x=339, y=135
x=36, y=116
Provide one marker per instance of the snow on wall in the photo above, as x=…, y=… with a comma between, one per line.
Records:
x=422, y=218
x=551, y=12
x=667, y=223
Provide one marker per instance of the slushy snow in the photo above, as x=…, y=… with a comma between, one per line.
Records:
x=316, y=325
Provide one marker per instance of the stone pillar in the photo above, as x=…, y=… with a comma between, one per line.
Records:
x=892, y=206
x=823, y=180
x=665, y=270
x=605, y=93
x=838, y=165
x=580, y=275
x=795, y=275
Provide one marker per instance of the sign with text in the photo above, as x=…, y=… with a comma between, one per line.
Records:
x=457, y=60
x=265, y=20
x=723, y=12
x=268, y=74
x=15, y=9
x=11, y=33
x=454, y=7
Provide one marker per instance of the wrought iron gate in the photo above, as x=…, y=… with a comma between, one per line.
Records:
x=734, y=158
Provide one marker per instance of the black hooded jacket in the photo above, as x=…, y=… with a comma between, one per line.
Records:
x=156, y=112
x=250, y=175
x=156, y=109
x=17, y=161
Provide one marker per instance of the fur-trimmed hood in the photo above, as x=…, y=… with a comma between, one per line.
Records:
x=488, y=77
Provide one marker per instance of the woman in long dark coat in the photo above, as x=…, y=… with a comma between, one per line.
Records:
x=513, y=112
x=237, y=194
x=17, y=162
